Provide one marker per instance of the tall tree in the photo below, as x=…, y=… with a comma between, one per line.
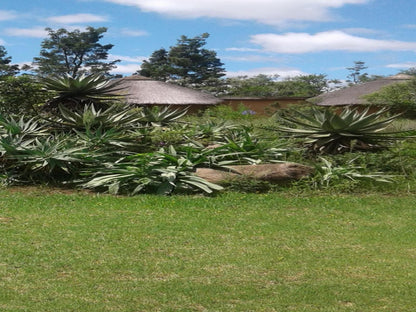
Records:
x=74, y=53
x=356, y=73
x=187, y=63
x=157, y=66
x=6, y=69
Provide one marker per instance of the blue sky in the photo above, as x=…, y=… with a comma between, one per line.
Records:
x=285, y=37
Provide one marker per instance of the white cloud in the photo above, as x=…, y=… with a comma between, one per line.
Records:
x=402, y=65
x=7, y=15
x=272, y=12
x=77, y=18
x=36, y=32
x=127, y=69
x=2, y=42
x=132, y=59
x=253, y=58
x=282, y=72
x=327, y=41
x=133, y=33
x=242, y=49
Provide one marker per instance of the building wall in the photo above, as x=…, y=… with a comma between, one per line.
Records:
x=264, y=106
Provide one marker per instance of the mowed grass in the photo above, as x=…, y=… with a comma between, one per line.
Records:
x=233, y=252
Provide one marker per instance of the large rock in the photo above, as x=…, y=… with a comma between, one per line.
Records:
x=276, y=173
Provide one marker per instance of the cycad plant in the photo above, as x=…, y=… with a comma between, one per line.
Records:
x=327, y=131
x=75, y=93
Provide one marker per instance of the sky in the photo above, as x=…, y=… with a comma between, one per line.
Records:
x=283, y=37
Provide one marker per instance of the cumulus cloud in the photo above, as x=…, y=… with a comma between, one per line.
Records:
x=7, y=15
x=327, y=41
x=270, y=12
x=77, y=18
x=36, y=32
x=282, y=72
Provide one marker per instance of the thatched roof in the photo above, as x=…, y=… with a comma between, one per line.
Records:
x=353, y=95
x=145, y=91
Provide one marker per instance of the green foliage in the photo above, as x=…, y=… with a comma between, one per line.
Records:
x=9, y=126
x=76, y=92
x=157, y=66
x=227, y=113
x=187, y=64
x=260, y=85
x=6, y=69
x=303, y=85
x=160, y=116
x=356, y=73
x=243, y=147
x=271, y=86
x=74, y=53
x=328, y=175
x=91, y=118
x=162, y=172
x=326, y=131
x=399, y=97
x=45, y=159
x=21, y=95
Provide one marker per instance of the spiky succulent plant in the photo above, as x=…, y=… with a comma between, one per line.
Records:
x=76, y=92
x=328, y=131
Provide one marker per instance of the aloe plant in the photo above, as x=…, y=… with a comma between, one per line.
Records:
x=327, y=131
x=44, y=159
x=156, y=116
x=327, y=174
x=75, y=92
x=91, y=118
x=161, y=172
x=22, y=127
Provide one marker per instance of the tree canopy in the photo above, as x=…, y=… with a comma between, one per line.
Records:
x=6, y=69
x=271, y=86
x=187, y=63
x=398, y=96
x=74, y=53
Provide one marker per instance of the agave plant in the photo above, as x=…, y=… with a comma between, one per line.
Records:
x=156, y=116
x=21, y=127
x=162, y=172
x=328, y=174
x=329, y=132
x=91, y=118
x=75, y=92
x=43, y=159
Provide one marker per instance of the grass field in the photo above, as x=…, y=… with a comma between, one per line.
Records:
x=232, y=252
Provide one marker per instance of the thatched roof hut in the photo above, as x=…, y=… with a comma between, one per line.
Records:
x=353, y=95
x=146, y=91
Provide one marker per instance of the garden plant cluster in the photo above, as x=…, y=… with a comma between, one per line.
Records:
x=85, y=137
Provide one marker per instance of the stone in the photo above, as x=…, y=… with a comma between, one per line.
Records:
x=275, y=173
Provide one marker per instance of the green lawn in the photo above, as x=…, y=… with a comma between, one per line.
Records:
x=232, y=252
